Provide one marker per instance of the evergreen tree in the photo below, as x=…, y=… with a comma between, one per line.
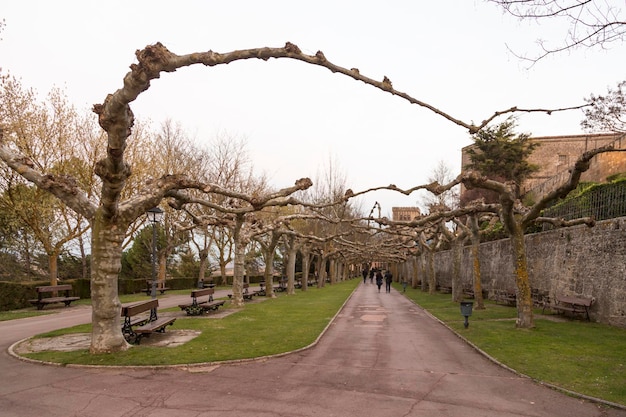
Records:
x=500, y=154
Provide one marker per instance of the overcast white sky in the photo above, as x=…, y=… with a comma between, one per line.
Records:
x=296, y=117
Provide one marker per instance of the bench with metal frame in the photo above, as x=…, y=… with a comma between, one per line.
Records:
x=160, y=286
x=42, y=300
x=134, y=327
x=197, y=306
x=506, y=297
x=247, y=295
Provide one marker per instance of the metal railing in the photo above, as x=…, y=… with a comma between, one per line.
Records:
x=605, y=201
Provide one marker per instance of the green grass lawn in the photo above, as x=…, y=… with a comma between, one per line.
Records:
x=20, y=314
x=588, y=358
x=270, y=327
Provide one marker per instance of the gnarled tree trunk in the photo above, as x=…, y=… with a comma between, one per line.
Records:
x=478, y=287
x=525, y=317
x=239, y=263
x=106, y=262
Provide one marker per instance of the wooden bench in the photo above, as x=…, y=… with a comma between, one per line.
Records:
x=446, y=290
x=540, y=298
x=197, y=307
x=136, y=324
x=42, y=300
x=469, y=292
x=247, y=295
x=160, y=286
x=262, y=290
x=506, y=297
x=282, y=286
x=574, y=305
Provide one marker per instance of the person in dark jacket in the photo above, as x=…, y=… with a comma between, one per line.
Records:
x=372, y=272
x=388, y=279
x=379, y=279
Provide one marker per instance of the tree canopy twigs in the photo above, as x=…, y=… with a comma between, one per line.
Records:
x=65, y=188
x=592, y=23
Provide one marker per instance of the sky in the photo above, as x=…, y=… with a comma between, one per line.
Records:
x=299, y=120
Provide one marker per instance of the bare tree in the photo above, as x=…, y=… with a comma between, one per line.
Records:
x=592, y=23
x=230, y=166
x=111, y=216
x=447, y=200
x=607, y=113
x=456, y=238
x=515, y=217
x=51, y=136
x=470, y=229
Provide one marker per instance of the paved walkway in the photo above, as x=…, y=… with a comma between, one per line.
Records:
x=381, y=356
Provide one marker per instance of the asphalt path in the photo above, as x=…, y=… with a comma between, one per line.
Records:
x=381, y=356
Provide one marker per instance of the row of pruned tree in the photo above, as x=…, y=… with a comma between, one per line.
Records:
x=498, y=167
x=120, y=190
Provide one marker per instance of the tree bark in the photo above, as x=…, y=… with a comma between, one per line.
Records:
x=424, y=270
x=162, y=267
x=414, y=271
x=525, y=319
x=204, y=264
x=457, y=288
x=268, y=253
x=223, y=277
x=332, y=270
x=239, y=263
x=432, y=280
x=321, y=270
x=306, y=265
x=478, y=287
x=83, y=257
x=106, y=262
x=268, y=275
x=53, y=267
x=291, y=266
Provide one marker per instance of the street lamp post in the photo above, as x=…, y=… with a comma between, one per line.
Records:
x=155, y=215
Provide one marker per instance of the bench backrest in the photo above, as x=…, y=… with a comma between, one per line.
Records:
x=138, y=308
x=202, y=293
x=53, y=288
x=575, y=300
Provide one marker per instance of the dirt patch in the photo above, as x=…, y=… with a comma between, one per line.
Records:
x=79, y=341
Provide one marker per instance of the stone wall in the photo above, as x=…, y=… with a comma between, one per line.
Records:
x=582, y=261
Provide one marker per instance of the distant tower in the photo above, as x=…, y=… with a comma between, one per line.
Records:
x=405, y=214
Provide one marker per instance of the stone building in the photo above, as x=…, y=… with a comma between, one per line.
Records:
x=405, y=214
x=557, y=154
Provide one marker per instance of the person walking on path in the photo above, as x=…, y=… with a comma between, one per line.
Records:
x=372, y=272
x=379, y=279
x=388, y=279
x=364, y=275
